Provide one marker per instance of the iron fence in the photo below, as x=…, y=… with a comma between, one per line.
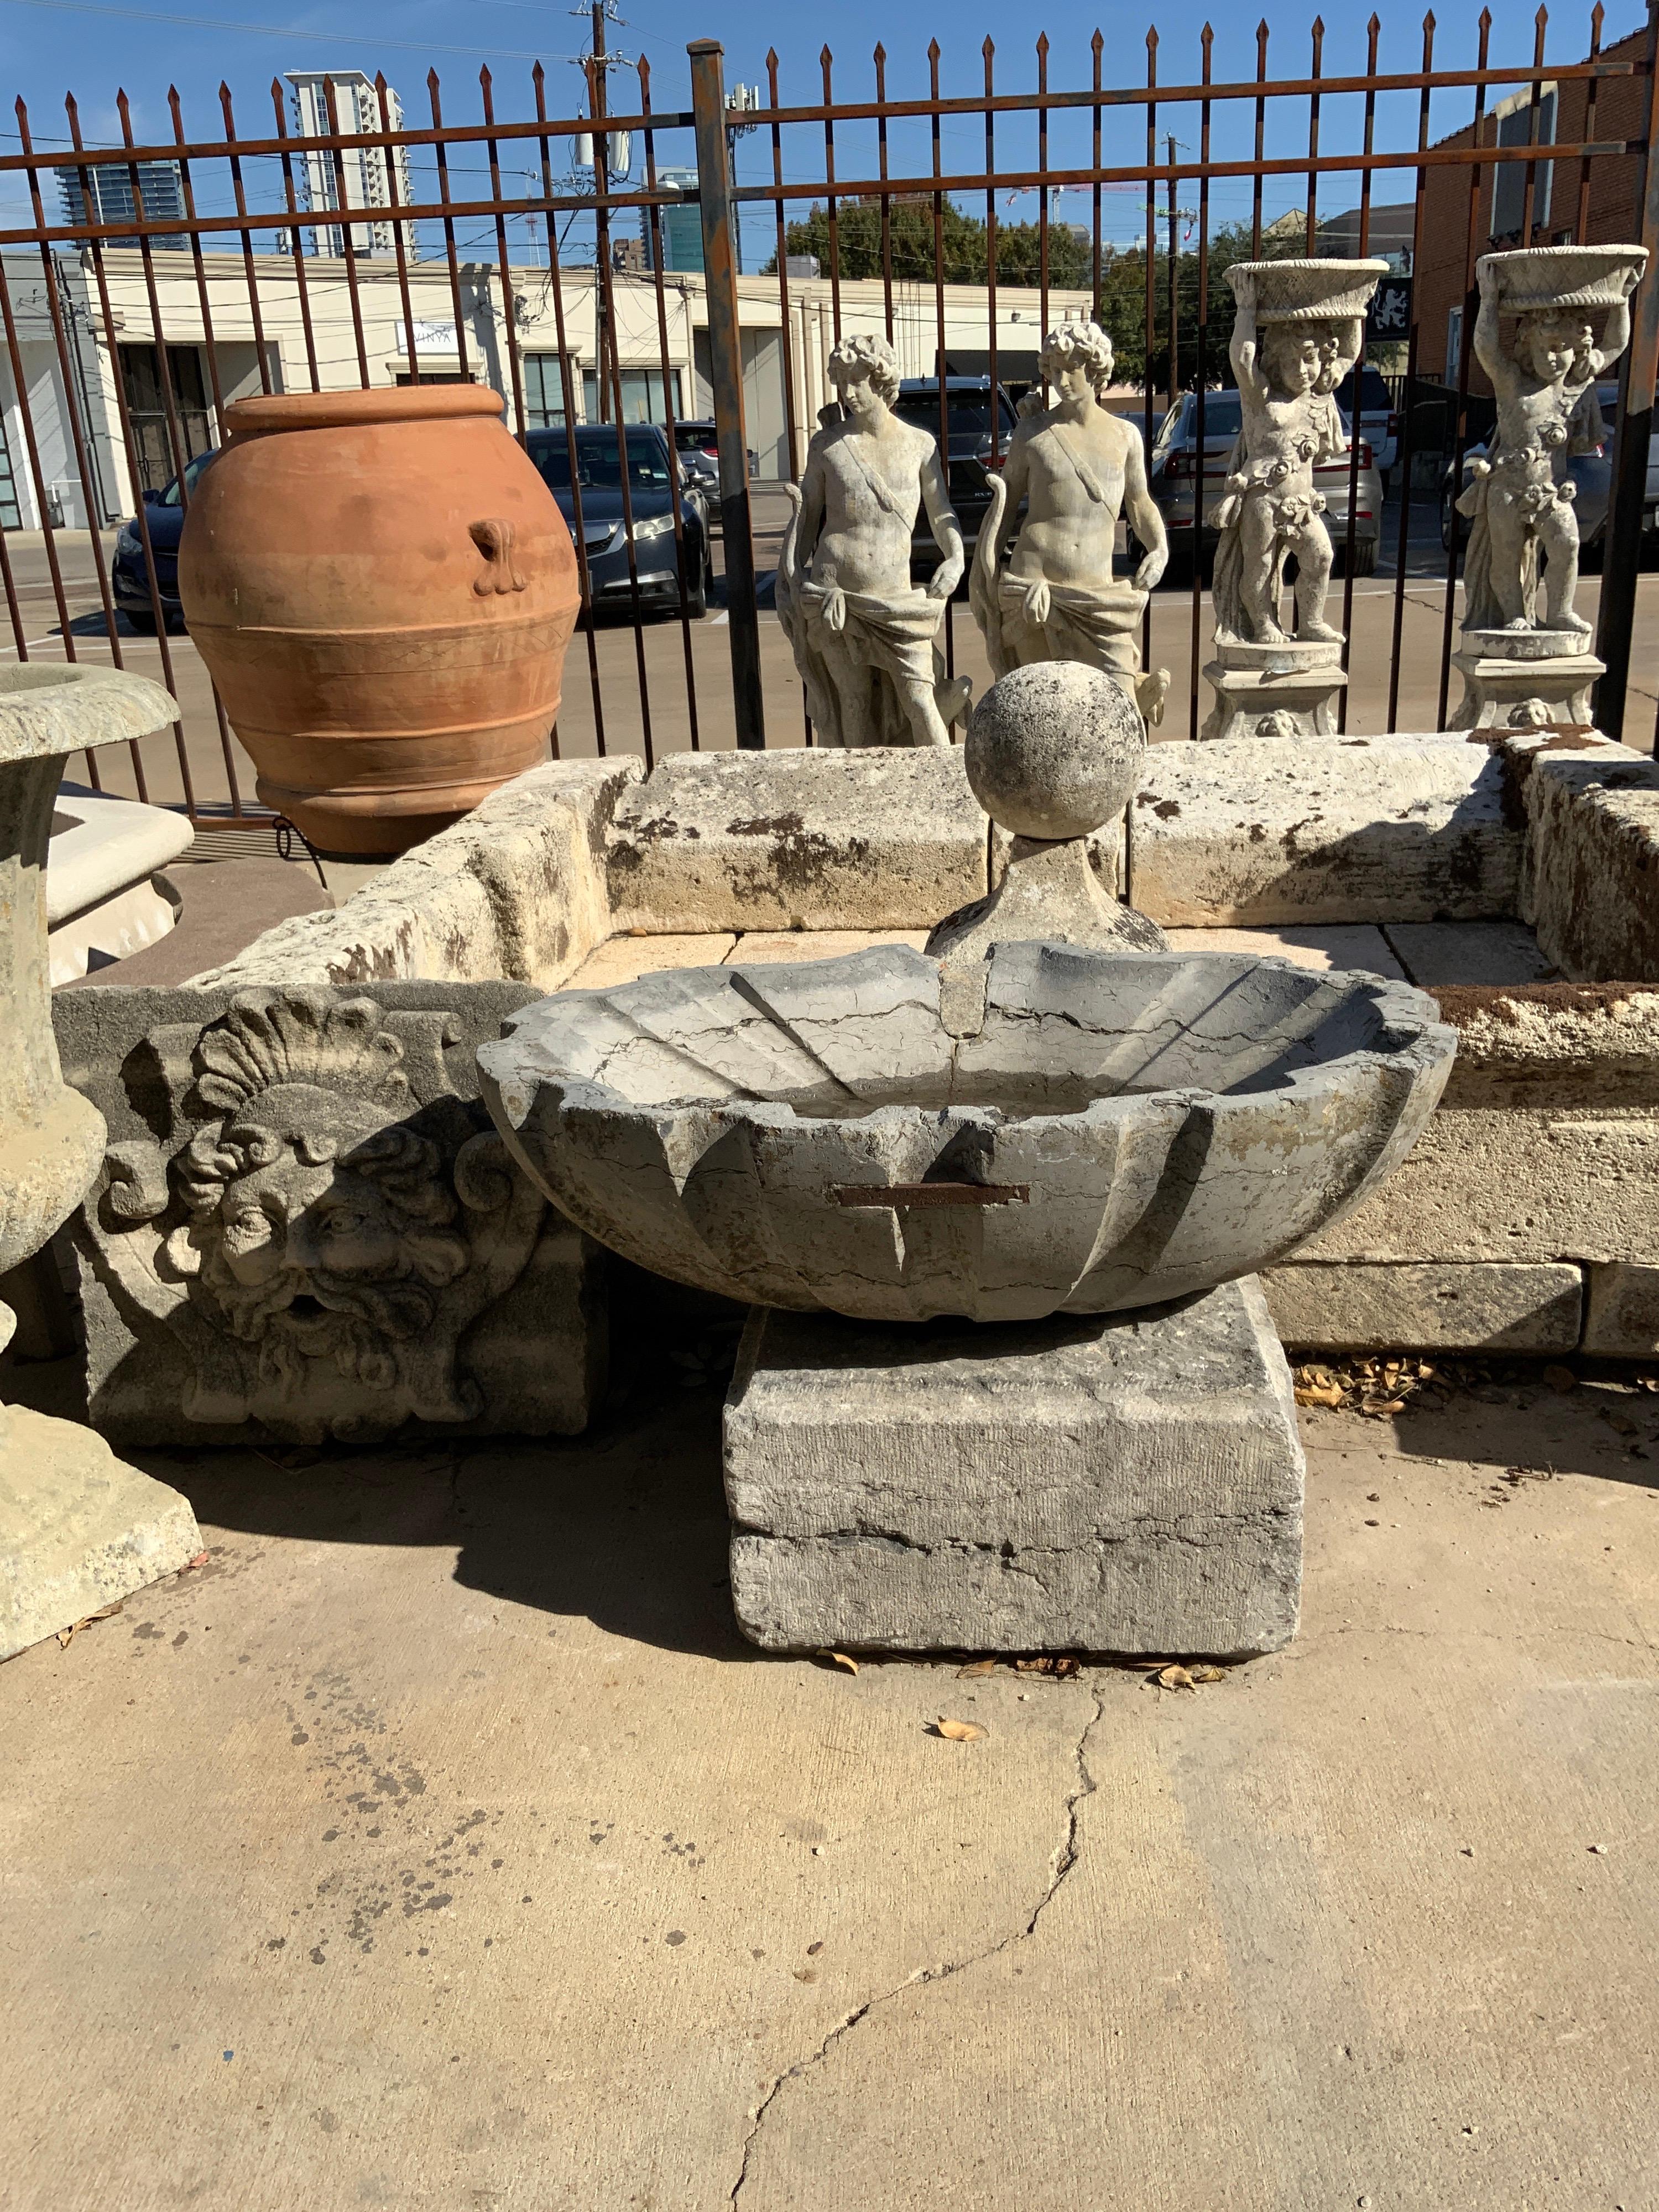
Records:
x=179, y=272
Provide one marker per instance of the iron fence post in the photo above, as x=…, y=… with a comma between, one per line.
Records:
x=1622, y=561
x=725, y=372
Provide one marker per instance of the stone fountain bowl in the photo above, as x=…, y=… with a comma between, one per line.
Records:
x=1117, y=1131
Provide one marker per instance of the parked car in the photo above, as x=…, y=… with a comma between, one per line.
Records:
x=1379, y=418
x=663, y=582
x=1592, y=472
x=1173, y=468
x=164, y=514
x=971, y=409
x=698, y=445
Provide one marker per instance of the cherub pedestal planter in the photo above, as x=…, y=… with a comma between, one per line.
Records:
x=1298, y=330
x=77, y=1527
x=1525, y=657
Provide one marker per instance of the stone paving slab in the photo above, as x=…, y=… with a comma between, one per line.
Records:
x=770, y=946
x=1340, y=944
x=625, y=959
x=1437, y=954
x=440, y=1845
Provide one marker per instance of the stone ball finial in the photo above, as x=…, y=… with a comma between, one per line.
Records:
x=1055, y=750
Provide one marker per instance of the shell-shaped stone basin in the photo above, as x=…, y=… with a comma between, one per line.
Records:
x=1121, y=1130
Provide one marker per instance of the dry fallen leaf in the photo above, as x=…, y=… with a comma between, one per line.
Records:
x=1176, y=1678
x=1209, y=1673
x=959, y=1731
x=1561, y=1378
x=66, y=1636
x=840, y=1659
x=200, y=1561
x=1319, y=1394
x=976, y=1666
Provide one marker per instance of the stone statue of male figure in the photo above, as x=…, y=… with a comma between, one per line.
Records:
x=1076, y=468
x=863, y=635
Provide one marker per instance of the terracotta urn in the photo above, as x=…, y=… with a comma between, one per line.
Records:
x=383, y=589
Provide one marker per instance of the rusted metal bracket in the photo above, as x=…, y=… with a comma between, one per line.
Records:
x=898, y=1195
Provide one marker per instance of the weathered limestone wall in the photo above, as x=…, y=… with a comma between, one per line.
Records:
x=1590, y=886
x=1530, y=1211
x=516, y=893
x=1248, y=832
x=882, y=839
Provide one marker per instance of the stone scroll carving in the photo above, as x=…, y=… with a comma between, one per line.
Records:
x=1073, y=468
x=302, y=1226
x=1298, y=329
x=863, y=638
x=1525, y=658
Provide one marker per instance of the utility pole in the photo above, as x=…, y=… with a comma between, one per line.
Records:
x=601, y=220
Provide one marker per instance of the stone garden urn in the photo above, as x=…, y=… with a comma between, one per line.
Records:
x=77, y=1527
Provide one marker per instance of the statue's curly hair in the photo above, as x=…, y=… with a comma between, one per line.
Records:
x=1078, y=343
x=852, y=354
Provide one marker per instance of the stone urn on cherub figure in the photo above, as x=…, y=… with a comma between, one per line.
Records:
x=1525, y=657
x=1298, y=329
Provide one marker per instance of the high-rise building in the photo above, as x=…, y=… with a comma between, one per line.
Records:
x=681, y=226
x=108, y=196
x=367, y=177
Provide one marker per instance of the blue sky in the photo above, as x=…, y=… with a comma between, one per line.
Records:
x=49, y=47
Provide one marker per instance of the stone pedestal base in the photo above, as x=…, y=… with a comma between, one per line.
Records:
x=1050, y=892
x=1130, y=1482
x=1275, y=690
x=1516, y=679
x=78, y=1528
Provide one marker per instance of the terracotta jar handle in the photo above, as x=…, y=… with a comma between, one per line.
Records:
x=495, y=541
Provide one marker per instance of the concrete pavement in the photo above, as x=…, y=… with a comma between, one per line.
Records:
x=438, y=1845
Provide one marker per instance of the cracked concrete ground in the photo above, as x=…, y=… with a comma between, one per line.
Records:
x=438, y=1846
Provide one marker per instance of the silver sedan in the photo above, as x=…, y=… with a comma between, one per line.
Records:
x=1173, y=475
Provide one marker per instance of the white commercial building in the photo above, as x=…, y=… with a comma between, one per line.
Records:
x=306, y=316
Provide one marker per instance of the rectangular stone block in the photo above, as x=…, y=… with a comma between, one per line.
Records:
x=1586, y=1045
x=515, y=892
x=306, y=1227
x=1518, y=1184
x=1623, y=1319
x=79, y=1527
x=1128, y=1482
x=1254, y=832
x=1353, y=1305
x=886, y=838
x=1591, y=885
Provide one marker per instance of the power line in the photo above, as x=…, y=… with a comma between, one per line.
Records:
x=277, y=30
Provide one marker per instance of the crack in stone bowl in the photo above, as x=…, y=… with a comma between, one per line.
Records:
x=1170, y=1121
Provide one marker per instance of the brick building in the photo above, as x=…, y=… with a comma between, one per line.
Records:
x=1563, y=214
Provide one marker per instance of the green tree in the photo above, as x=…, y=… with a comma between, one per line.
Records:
x=1120, y=302
x=1121, y=309
x=961, y=253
